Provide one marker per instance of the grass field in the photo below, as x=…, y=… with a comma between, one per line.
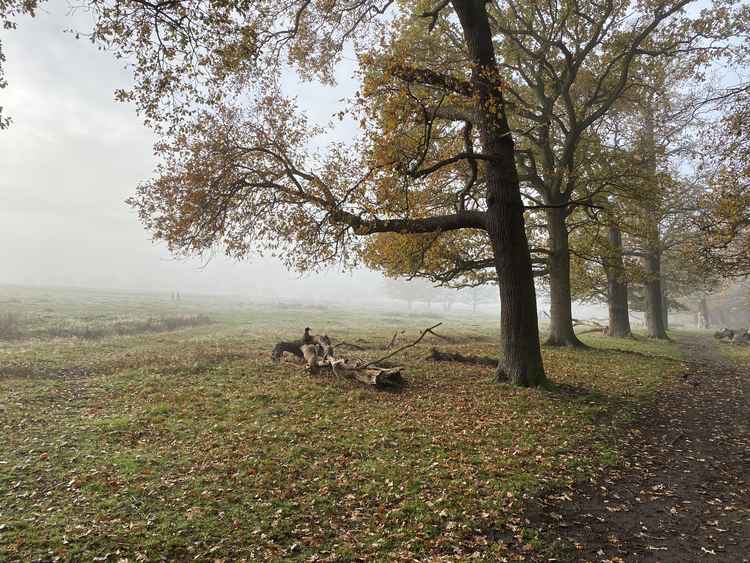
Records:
x=146, y=443
x=740, y=355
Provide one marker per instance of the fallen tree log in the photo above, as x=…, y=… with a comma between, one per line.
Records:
x=440, y=356
x=594, y=326
x=601, y=330
x=318, y=352
x=321, y=343
x=369, y=375
x=292, y=347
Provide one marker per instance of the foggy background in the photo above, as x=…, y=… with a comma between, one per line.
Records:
x=73, y=155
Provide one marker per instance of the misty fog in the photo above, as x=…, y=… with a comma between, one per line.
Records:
x=74, y=154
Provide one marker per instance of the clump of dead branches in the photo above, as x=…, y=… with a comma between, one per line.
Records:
x=319, y=354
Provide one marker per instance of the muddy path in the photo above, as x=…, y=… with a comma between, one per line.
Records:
x=683, y=492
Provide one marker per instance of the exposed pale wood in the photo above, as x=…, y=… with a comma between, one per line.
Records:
x=318, y=353
x=310, y=353
x=594, y=326
x=367, y=375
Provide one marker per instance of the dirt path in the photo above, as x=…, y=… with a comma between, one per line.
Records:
x=684, y=492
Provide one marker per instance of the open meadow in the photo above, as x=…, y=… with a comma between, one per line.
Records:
x=136, y=427
x=346, y=194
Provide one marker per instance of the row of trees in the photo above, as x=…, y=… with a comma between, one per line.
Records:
x=500, y=142
x=421, y=291
x=729, y=307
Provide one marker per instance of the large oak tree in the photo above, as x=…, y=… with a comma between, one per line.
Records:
x=238, y=167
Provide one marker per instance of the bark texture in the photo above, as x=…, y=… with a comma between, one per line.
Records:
x=652, y=203
x=654, y=296
x=561, y=331
x=704, y=319
x=521, y=359
x=617, y=287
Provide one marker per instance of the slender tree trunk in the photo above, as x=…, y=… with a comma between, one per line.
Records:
x=617, y=286
x=721, y=317
x=561, y=331
x=521, y=359
x=704, y=319
x=654, y=304
x=652, y=203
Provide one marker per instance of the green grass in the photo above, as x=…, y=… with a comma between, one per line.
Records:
x=191, y=444
x=738, y=354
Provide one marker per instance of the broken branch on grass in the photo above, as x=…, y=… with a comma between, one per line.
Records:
x=433, y=333
x=368, y=375
x=417, y=341
x=594, y=326
x=393, y=340
x=440, y=356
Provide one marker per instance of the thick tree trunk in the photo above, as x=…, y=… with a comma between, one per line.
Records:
x=654, y=304
x=617, y=287
x=521, y=359
x=664, y=306
x=561, y=331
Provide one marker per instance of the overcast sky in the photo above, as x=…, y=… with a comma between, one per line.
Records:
x=73, y=155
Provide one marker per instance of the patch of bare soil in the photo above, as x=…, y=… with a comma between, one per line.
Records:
x=683, y=491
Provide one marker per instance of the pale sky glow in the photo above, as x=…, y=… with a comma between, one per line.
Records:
x=73, y=155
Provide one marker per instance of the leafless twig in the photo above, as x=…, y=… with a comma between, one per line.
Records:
x=417, y=341
x=393, y=340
